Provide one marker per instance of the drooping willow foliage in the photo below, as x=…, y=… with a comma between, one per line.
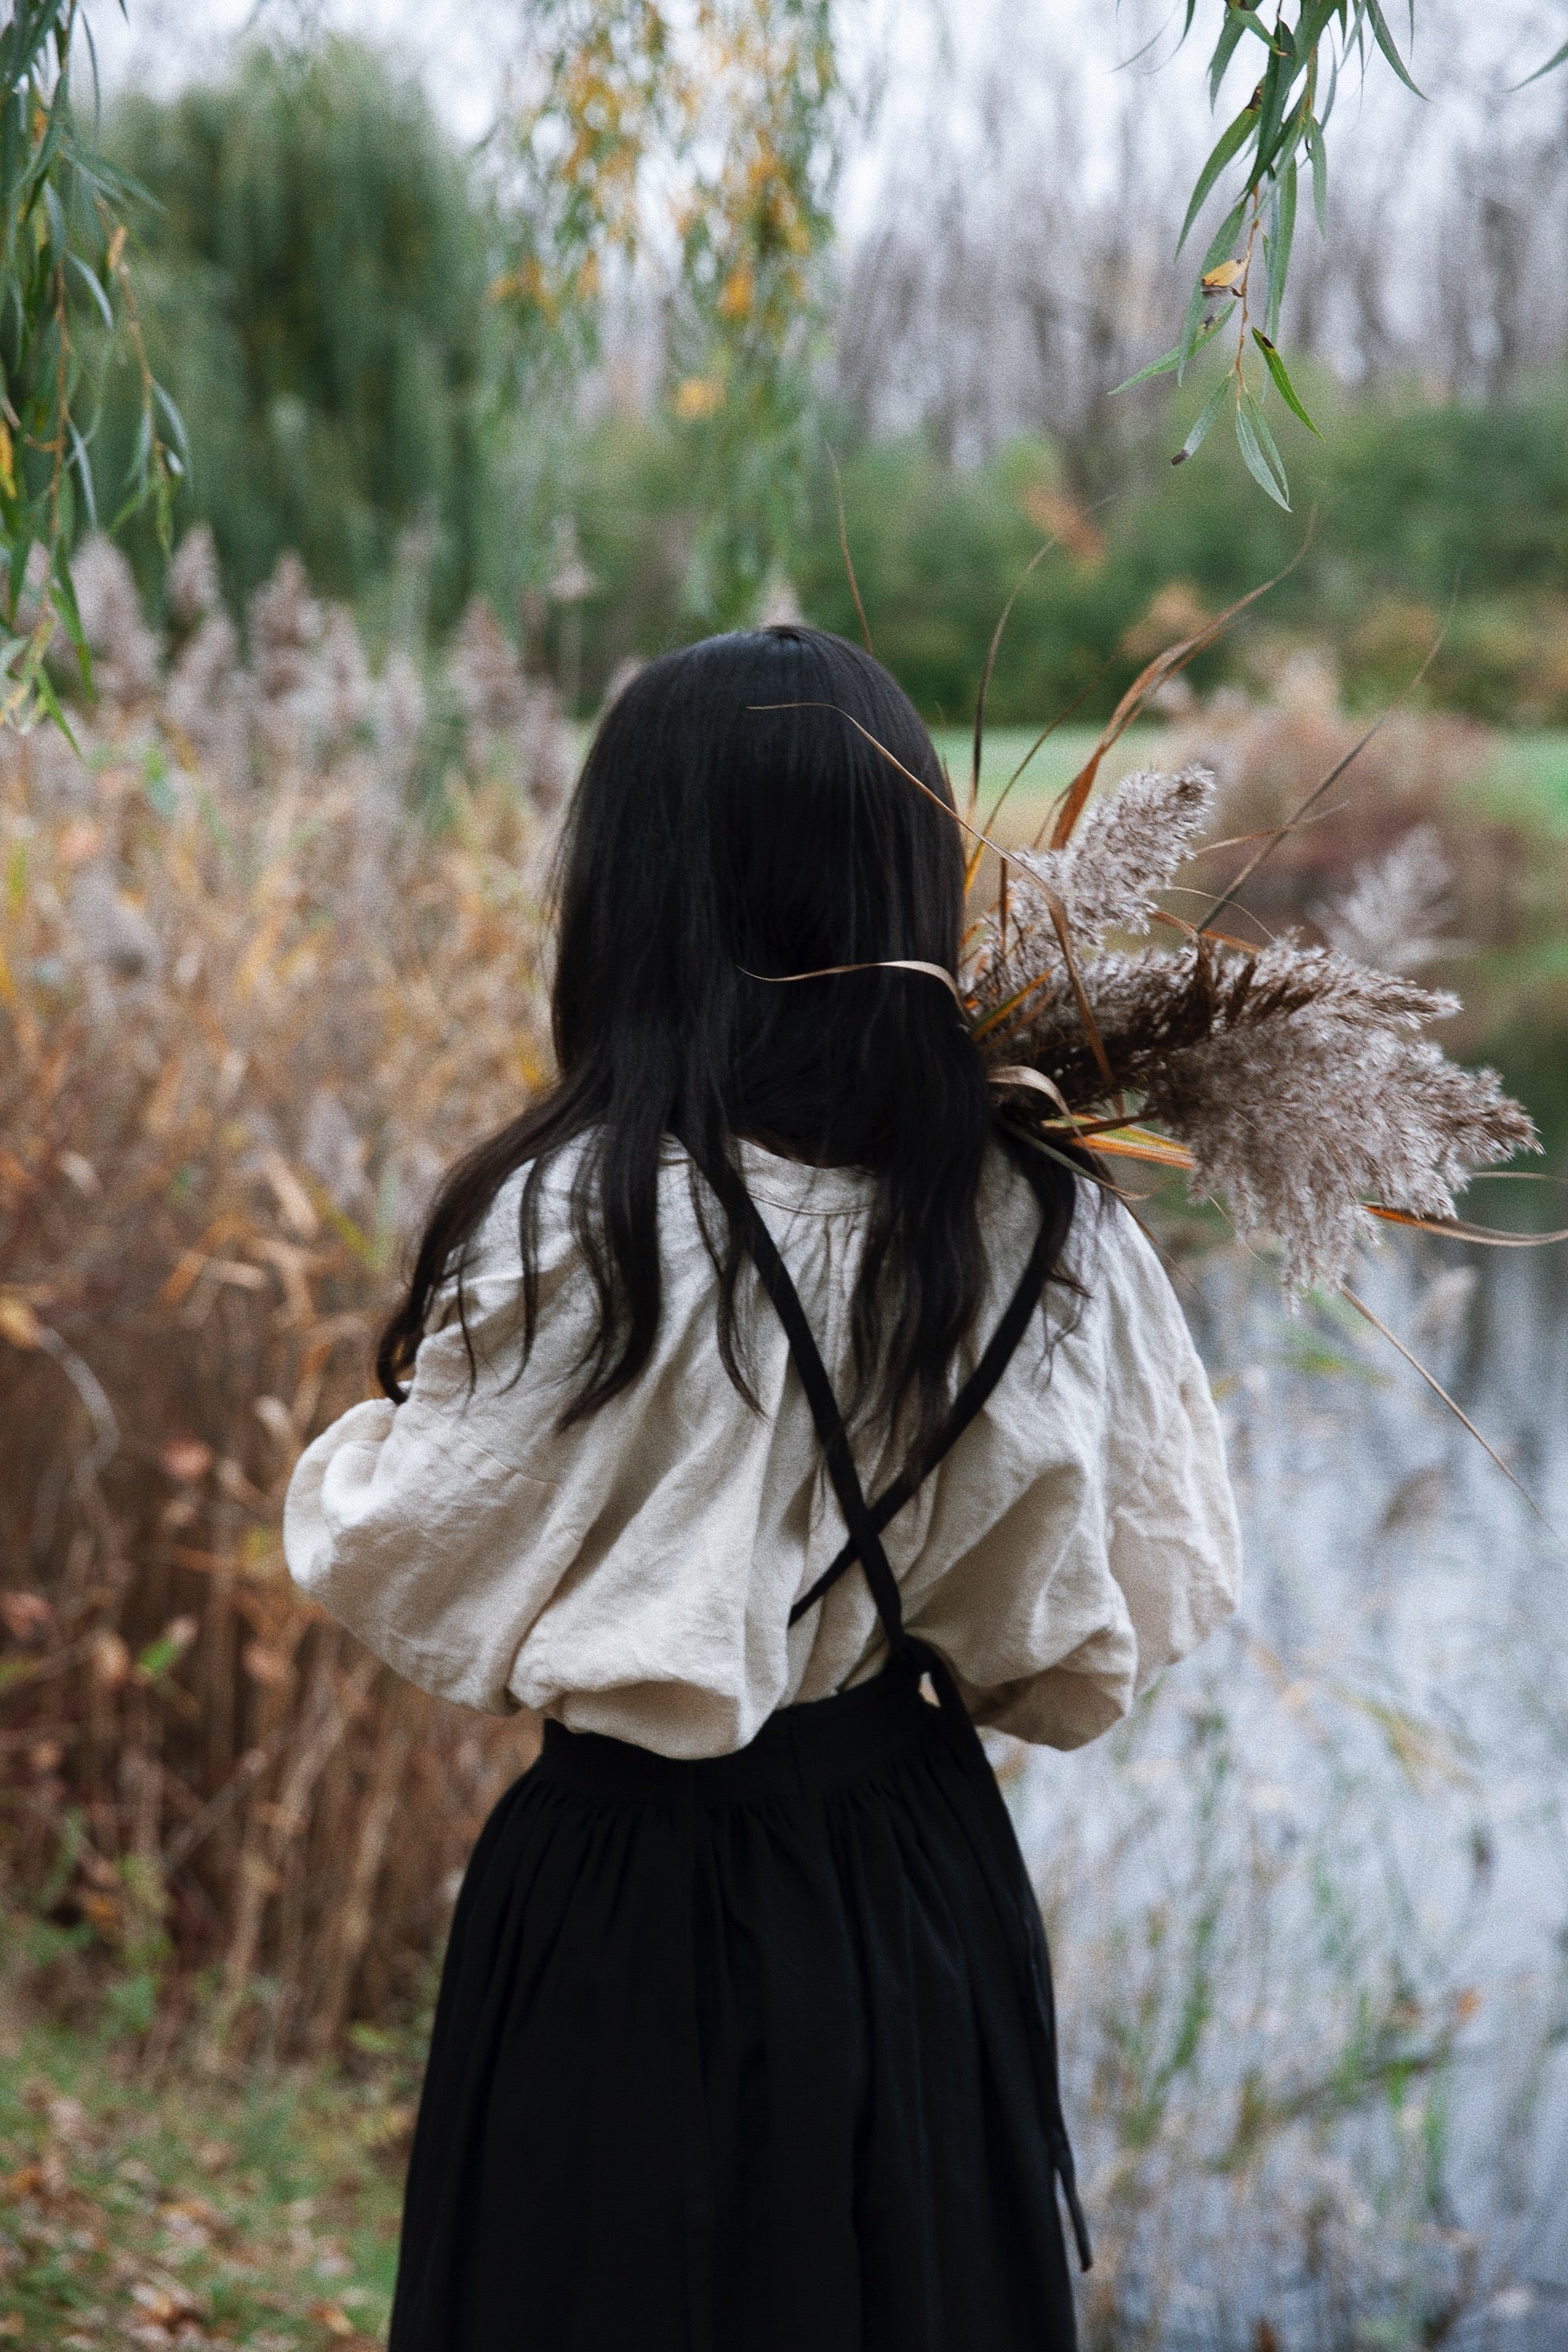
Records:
x=313, y=277
x=706, y=138
x=720, y=130
x=63, y=277
x=1300, y=59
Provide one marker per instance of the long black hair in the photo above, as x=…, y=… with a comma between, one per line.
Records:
x=731, y=822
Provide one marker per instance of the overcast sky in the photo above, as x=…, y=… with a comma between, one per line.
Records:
x=918, y=53
x=457, y=46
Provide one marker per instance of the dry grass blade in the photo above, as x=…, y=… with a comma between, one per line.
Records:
x=1091, y=1027
x=1016, y=1074
x=1153, y=674
x=1455, y=1229
x=1037, y=1143
x=1040, y=741
x=1194, y=930
x=1299, y=816
x=1437, y=1390
x=1155, y=1150
x=894, y=762
x=848, y=561
x=1034, y=562
x=882, y=963
x=998, y=1014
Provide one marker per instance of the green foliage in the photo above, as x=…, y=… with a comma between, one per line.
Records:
x=1418, y=509
x=931, y=547
x=67, y=312
x=714, y=131
x=320, y=288
x=323, y=280
x=628, y=485
x=315, y=294
x=1410, y=501
x=1463, y=493
x=1276, y=136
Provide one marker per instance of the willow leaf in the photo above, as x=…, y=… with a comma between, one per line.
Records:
x=1248, y=421
x=1286, y=390
x=1270, y=115
x=1206, y=419
x=1172, y=358
x=90, y=280
x=1281, y=147
x=1234, y=136
x=1316, y=19
x=1320, y=162
x=1552, y=62
x=1279, y=244
x=1235, y=23
x=1384, y=40
x=1265, y=440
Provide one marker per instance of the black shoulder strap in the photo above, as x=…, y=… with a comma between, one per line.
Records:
x=865, y=1521
x=864, y=1524
x=993, y=1363
x=864, y=1536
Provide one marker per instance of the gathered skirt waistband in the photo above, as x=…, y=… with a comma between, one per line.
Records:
x=817, y=1745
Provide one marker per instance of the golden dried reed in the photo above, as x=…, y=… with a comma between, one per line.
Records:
x=248, y=1006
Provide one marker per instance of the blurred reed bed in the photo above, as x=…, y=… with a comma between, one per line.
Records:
x=248, y=1005
x=1264, y=2054
x=1309, y=1896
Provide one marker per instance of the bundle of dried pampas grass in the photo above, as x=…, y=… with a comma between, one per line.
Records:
x=1292, y=1083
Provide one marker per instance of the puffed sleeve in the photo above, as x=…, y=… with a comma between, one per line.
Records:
x=1175, y=1549
x=424, y=1527
x=1114, y=1550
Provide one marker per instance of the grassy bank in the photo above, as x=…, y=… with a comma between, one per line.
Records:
x=189, y=2211
x=1523, y=775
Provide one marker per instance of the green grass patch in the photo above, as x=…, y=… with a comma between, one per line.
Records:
x=1527, y=780
x=260, y=2214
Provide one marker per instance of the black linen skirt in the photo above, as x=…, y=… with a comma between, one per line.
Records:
x=739, y=2056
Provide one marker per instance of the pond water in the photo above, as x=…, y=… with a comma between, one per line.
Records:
x=1309, y=1906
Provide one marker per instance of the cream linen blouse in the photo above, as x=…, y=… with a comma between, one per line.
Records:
x=633, y=1574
